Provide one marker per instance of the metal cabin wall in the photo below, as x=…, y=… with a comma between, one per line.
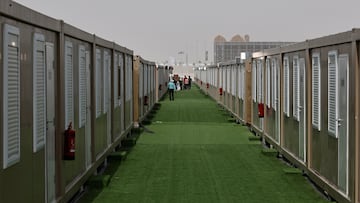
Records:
x=71, y=169
x=324, y=147
x=128, y=91
x=322, y=156
x=257, y=87
x=23, y=172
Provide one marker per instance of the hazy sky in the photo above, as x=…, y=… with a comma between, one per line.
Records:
x=159, y=29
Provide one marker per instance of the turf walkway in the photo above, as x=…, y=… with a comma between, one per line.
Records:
x=196, y=155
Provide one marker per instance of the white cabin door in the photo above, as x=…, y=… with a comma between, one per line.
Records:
x=343, y=109
x=88, y=112
x=302, y=111
x=50, y=123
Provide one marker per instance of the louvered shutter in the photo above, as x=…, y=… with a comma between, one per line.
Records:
x=233, y=81
x=116, y=79
x=332, y=94
x=296, y=92
x=274, y=84
x=240, y=83
x=286, y=87
x=224, y=78
x=69, y=96
x=316, y=92
x=228, y=72
x=260, y=82
x=106, y=78
x=11, y=96
x=268, y=82
x=98, y=83
x=82, y=86
x=39, y=93
x=254, y=88
x=121, y=65
x=243, y=83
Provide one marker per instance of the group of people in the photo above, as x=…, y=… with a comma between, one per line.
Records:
x=178, y=84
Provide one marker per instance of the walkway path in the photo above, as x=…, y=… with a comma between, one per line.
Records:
x=196, y=155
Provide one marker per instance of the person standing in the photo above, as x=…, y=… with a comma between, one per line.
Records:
x=189, y=82
x=171, y=88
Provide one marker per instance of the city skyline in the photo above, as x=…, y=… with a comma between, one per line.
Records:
x=162, y=29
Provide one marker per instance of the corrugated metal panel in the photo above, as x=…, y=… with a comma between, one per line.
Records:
x=69, y=95
x=316, y=91
x=332, y=94
x=286, y=87
x=39, y=91
x=82, y=87
x=11, y=108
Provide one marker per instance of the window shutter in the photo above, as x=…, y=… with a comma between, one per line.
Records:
x=11, y=96
x=260, y=82
x=106, y=78
x=243, y=82
x=274, y=84
x=254, y=88
x=69, y=97
x=82, y=86
x=121, y=65
x=316, y=91
x=98, y=83
x=116, y=87
x=296, y=92
x=268, y=82
x=39, y=99
x=233, y=81
x=286, y=87
x=240, y=83
x=332, y=93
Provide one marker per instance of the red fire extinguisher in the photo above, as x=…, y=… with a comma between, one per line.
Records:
x=207, y=85
x=261, y=110
x=200, y=82
x=221, y=91
x=69, y=143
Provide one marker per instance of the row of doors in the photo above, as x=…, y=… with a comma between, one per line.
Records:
x=50, y=123
x=342, y=69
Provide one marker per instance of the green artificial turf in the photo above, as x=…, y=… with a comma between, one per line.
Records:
x=196, y=155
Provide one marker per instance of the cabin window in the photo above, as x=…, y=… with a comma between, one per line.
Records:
x=39, y=91
x=82, y=86
x=296, y=92
x=286, y=87
x=11, y=96
x=332, y=93
x=316, y=91
x=69, y=94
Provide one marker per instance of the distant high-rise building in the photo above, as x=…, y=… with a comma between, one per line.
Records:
x=229, y=50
